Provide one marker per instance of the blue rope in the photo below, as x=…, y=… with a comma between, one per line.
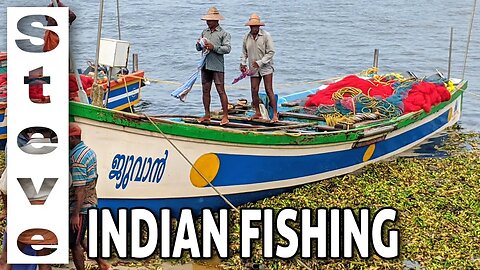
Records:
x=182, y=91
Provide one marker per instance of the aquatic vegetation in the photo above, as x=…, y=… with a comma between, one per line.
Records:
x=437, y=200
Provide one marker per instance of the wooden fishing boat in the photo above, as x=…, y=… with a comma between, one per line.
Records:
x=123, y=95
x=146, y=161
x=124, y=92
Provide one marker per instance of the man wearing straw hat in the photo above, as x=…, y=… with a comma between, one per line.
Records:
x=258, y=49
x=217, y=42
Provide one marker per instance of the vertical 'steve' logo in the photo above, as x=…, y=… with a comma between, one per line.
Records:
x=37, y=142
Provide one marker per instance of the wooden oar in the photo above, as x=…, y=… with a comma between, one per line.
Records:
x=175, y=116
x=301, y=116
x=264, y=122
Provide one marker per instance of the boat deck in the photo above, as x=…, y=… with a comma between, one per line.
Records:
x=291, y=121
x=296, y=119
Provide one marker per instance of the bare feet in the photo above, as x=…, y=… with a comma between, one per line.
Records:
x=255, y=116
x=275, y=118
x=204, y=119
x=224, y=121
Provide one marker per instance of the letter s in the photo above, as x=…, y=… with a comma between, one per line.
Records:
x=25, y=27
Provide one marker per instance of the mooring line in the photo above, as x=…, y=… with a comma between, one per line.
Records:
x=192, y=165
x=277, y=85
x=474, y=94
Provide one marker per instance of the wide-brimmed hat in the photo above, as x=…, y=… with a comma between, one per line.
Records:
x=212, y=15
x=254, y=20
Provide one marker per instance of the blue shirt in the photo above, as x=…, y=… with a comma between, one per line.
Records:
x=83, y=168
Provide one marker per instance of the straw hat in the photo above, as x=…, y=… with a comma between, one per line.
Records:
x=254, y=20
x=212, y=15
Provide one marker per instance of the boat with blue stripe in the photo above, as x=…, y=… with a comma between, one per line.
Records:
x=124, y=93
x=175, y=162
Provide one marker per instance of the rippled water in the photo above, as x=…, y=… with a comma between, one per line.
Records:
x=314, y=40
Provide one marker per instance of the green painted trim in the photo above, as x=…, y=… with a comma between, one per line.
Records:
x=205, y=133
x=241, y=137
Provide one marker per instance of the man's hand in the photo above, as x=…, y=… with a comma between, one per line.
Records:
x=209, y=46
x=243, y=68
x=255, y=65
x=75, y=222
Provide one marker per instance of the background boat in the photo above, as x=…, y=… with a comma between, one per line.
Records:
x=123, y=95
x=124, y=92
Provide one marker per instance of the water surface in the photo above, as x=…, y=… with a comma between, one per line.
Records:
x=314, y=40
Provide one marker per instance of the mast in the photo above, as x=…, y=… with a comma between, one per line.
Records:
x=97, y=91
x=468, y=39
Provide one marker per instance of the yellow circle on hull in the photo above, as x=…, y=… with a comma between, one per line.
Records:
x=369, y=153
x=208, y=165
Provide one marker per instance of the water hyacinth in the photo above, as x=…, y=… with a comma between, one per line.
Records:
x=436, y=198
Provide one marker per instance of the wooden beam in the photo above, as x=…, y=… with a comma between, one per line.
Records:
x=217, y=123
x=326, y=128
x=264, y=122
x=301, y=125
x=301, y=116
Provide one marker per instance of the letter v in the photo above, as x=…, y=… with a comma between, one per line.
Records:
x=31, y=192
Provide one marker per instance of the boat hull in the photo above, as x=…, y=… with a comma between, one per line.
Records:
x=139, y=167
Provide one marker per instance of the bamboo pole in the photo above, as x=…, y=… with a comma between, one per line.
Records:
x=468, y=39
x=375, y=58
x=97, y=91
x=450, y=53
x=135, y=62
x=118, y=20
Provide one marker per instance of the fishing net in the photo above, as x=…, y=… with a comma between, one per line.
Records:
x=386, y=96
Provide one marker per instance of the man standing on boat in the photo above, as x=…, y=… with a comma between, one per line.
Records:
x=258, y=49
x=217, y=42
x=83, y=195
